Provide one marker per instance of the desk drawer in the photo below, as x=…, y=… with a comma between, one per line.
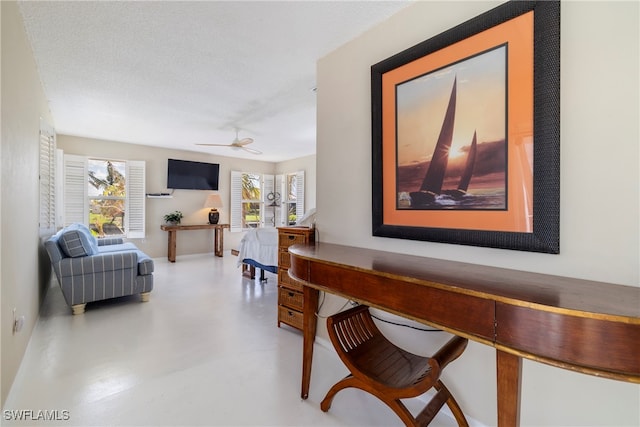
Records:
x=601, y=344
x=288, y=239
x=291, y=299
x=283, y=259
x=290, y=317
x=442, y=308
x=285, y=280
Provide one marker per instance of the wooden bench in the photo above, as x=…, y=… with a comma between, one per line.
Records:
x=388, y=372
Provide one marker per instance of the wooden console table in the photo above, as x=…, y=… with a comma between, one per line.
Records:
x=585, y=326
x=218, y=238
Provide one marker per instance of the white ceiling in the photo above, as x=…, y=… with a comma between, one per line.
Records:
x=173, y=74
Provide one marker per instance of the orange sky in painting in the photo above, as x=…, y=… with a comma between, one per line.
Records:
x=480, y=106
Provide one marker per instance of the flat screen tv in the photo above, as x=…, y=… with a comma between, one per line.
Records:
x=188, y=175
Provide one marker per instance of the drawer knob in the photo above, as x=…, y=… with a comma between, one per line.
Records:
x=292, y=237
x=291, y=294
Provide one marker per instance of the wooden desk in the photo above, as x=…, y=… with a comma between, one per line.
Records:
x=218, y=238
x=585, y=326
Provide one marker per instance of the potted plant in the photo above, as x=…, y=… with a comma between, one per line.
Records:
x=173, y=217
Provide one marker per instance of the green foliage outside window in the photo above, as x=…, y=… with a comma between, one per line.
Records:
x=251, y=196
x=107, y=195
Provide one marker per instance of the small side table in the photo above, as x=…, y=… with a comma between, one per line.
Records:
x=218, y=238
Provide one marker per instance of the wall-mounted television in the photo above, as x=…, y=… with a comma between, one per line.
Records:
x=188, y=175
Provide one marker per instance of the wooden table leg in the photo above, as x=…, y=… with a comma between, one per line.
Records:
x=218, y=244
x=309, y=321
x=509, y=369
x=171, y=247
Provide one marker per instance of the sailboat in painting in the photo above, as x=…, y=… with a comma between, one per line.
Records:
x=463, y=186
x=432, y=184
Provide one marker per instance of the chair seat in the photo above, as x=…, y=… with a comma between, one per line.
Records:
x=390, y=373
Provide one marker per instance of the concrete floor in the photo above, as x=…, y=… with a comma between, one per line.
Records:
x=204, y=351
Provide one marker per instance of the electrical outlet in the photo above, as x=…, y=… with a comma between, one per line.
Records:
x=18, y=322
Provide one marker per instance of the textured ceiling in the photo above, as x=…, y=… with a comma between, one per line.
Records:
x=173, y=74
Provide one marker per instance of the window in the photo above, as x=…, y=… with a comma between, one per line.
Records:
x=262, y=200
x=251, y=200
x=106, y=195
x=249, y=193
x=293, y=197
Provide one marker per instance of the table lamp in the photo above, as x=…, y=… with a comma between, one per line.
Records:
x=213, y=201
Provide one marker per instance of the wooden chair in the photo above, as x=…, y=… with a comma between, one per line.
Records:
x=381, y=368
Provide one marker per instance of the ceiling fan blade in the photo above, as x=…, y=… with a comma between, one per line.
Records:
x=236, y=144
x=251, y=150
x=243, y=141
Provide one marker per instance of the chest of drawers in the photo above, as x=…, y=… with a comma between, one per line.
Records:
x=290, y=297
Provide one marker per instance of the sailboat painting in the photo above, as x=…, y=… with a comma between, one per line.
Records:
x=451, y=146
x=465, y=133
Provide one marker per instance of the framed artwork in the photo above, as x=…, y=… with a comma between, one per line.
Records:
x=466, y=133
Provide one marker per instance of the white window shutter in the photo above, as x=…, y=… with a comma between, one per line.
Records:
x=300, y=194
x=134, y=219
x=76, y=203
x=280, y=188
x=236, y=201
x=47, y=181
x=59, y=188
x=267, y=187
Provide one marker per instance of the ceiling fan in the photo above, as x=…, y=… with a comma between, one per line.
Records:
x=237, y=143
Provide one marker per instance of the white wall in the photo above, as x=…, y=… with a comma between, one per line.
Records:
x=308, y=165
x=24, y=268
x=189, y=202
x=599, y=190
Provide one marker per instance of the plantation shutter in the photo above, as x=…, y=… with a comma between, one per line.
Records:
x=282, y=210
x=299, y=194
x=236, y=201
x=47, y=222
x=268, y=182
x=59, y=185
x=76, y=205
x=134, y=219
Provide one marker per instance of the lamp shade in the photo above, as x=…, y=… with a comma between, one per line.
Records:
x=213, y=201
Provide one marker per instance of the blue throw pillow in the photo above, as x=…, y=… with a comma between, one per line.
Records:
x=93, y=241
x=76, y=242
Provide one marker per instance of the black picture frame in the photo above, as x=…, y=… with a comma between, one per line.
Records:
x=544, y=236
